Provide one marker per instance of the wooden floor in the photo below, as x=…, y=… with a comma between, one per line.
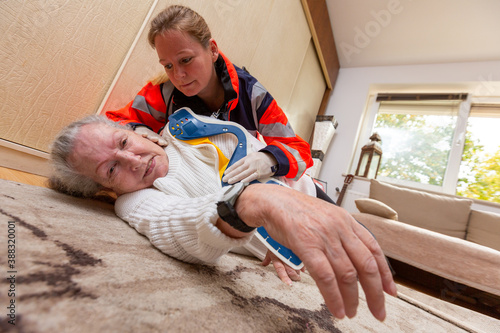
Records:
x=22, y=177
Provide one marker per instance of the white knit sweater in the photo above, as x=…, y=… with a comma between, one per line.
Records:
x=179, y=214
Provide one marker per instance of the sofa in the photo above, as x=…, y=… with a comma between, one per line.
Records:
x=437, y=233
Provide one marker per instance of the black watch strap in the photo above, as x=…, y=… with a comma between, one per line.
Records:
x=228, y=213
x=226, y=210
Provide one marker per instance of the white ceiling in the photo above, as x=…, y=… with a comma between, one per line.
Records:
x=409, y=32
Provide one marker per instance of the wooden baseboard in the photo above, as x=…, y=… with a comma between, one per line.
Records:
x=22, y=177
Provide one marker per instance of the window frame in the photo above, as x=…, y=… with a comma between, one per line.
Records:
x=451, y=176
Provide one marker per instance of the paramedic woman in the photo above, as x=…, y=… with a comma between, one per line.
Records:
x=202, y=78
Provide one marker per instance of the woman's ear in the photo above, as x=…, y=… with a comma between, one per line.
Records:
x=214, y=49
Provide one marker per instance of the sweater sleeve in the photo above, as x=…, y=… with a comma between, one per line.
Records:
x=183, y=228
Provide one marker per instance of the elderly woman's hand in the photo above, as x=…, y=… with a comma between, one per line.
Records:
x=285, y=272
x=335, y=249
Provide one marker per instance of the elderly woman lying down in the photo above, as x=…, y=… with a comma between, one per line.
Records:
x=170, y=195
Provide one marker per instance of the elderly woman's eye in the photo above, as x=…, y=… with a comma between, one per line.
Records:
x=111, y=170
x=124, y=142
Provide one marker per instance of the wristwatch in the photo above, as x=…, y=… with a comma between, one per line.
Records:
x=226, y=210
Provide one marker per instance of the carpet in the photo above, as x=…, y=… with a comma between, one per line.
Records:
x=73, y=266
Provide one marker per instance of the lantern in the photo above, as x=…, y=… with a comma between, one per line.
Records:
x=369, y=161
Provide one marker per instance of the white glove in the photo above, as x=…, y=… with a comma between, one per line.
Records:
x=149, y=134
x=255, y=165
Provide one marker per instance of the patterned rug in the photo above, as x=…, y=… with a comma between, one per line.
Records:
x=73, y=266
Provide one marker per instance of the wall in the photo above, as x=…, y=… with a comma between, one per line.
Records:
x=349, y=100
x=58, y=60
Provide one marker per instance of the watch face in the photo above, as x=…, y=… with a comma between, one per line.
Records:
x=223, y=210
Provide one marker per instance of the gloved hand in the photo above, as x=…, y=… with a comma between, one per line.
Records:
x=149, y=134
x=255, y=165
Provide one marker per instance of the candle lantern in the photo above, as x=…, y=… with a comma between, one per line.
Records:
x=369, y=160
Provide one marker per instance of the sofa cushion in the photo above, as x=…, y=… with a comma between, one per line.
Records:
x=484, y=229
x=444, y=214
x=375, y=207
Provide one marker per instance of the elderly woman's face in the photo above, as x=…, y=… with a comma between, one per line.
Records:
x=118, y=159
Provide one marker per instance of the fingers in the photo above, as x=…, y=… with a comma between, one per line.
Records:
x=255, y=165
x=282, y=273
x=370, y=280
x=162, y=142
x=334, y=247
x=337, y=266
x=155, y=138
x=267, y=260
x=150, y=135
x=285, y=272
x=292, y=273
x=245, y=176
x=231, y=172
x=321, y=271
x=336, y=277
x=239, y=171
x=347, y=278
x=372, y=269
x=385, y=272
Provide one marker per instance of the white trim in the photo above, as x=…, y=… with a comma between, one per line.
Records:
x=365, y=130
x=456, y=151
x=19, y=157
x=24, y=149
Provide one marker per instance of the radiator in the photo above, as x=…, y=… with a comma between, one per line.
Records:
x=348, y=201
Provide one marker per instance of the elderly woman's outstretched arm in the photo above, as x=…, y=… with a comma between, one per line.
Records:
x=336, y=250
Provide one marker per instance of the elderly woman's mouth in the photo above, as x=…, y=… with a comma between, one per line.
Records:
x=150, y=167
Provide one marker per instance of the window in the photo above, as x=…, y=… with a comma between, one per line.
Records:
x=440, y=142
x=479, y=175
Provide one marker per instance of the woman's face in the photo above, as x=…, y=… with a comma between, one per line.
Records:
x=118, y=159
x=188, y=64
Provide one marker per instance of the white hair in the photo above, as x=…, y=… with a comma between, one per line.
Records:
x=64, y=177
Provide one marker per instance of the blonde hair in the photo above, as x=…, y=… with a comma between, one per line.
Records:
x=182, y=19
x=64, y=177
x=159, y=79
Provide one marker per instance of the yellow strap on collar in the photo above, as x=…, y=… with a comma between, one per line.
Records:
x=223, y=160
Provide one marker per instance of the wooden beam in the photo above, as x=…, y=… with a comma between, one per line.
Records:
x=321, y=30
